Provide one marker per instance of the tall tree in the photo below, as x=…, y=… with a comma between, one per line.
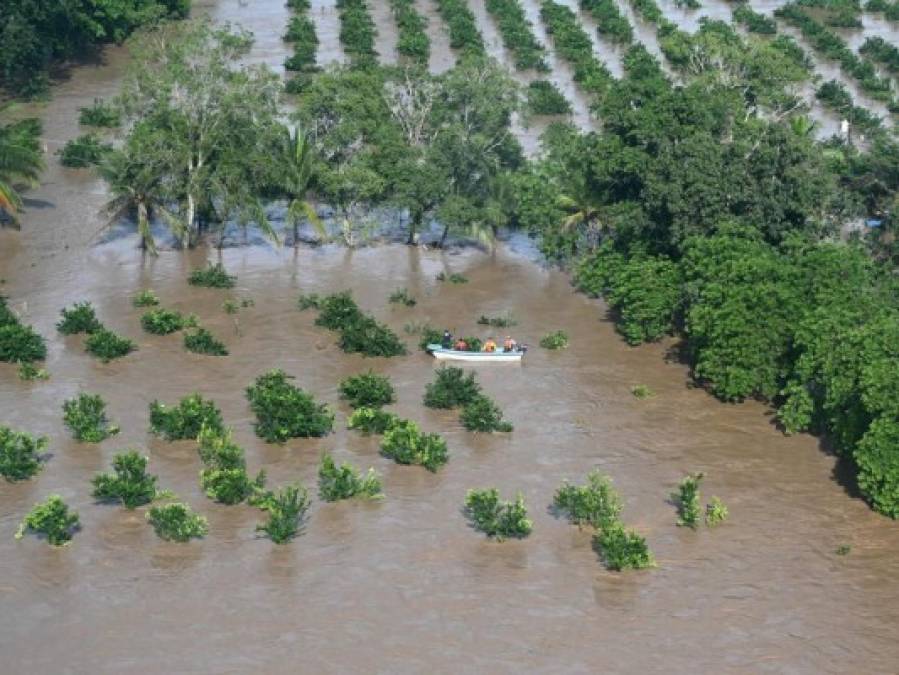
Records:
x=21, y=162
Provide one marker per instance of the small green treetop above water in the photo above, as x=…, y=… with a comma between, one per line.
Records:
x=556, y=340
x=225, y=477
x=85, y=415
x=482, y=414
x=642, y=391
x=130, y=483
x=177, y=522
x=80, y=318
x=284, y=411
x=452, y=388
x=496, y=518
x=21, y=344
x=687, y=499
x=597, y=503
x=212, y=276
x=715, y=512
x=201, y=341
x=186, y=419
x=406, y=444
x=622, y=549
x=401, y=297
x=19, y=454
x=367, y=390
x=52, y=519
x=345, y=481
x=107, y=345
x=286, y=510
x=371, y=420
x=30, y=372
x=163, y=321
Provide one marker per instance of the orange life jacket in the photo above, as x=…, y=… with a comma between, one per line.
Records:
x=490, y=346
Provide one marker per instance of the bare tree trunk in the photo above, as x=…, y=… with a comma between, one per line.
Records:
x=443, y=236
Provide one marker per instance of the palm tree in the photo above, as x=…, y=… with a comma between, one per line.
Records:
x=296, y=176
x=21, y=162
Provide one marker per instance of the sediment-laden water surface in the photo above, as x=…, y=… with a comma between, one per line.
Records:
x=404, y=585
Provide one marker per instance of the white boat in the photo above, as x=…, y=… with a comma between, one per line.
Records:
x=498, y=356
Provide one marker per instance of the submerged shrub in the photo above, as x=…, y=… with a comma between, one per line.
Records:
x=367, y=390
x=145, y=298
x=212, y=276
x=284, y=411
x=130, y=483
x=452, y=278
x=544, y=98
x=86, y=150
x=715, y=512
x=177, y=522
x=52, y=519
x=186, y=419
x=556, y=340
x=641, y=391
x=495, y=518
x=452, y=388
x=21, y=344
x=406, y=444
x=201, y=341
x=81, y=318
x=597, y=503
x=86, y=417
x=19, y=454
x=225, y=477
x=163, y=321
x=106, y=345
x=370, y=338
x=310, y=301
x=503, y=320
x=28, y=372
x=371, y=420
x=622, y=549
x=401, y=297
x=482, y=414
x=345, y=481
x=687, y=499
x=100, y=114
x=337, y=311
x=286, y=509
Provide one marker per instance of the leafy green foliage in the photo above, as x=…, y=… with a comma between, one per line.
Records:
x=185, y=420
x=482, y=414
x=100, y=114
x=453, y=278
x=301, y=32
x=574, y=45
x=597, y=503
x=371, y=420
x=357, y=32
x=201, y=341
x=85, y=416
x=52, y=519
x=715, y=512
x=359, y=333
x=345, y=482
x=463, y=29
x=610, y=22
x=163, y=321
x=401, y=297
x=80, y=318
x=878, y=465
x=496, y=518
x=881, y=51
x=452, y=388
x=405, y=443
x=754, y=21
x=642, y=391
x=544, y=98
x=107, y=345
x=623, y=549
x=555, y=340
x=224, y=477
x=130, y=483
x=310, y=301
x=430, y=336
x=367, y=390
x=30, y=372
x=86, y=150
x=212, y=276
x=286, y=510
x=146, y=298
x=21, y=344
x=177, y=522
x=413, y=42
x=517, y=33
x=19, y=454
x=504, y=320
x=284, y=411
x=688, y=501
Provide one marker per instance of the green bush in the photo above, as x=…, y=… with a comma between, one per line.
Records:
x=21, y=344
x=212, y=276
x=19, y=454
x=495, y=518
x=642, y=391
x=309, y=301
x=544, y=98
x=609, y=20
x=517, y=34
x=285, y=513
x=100, y=114
x=401, y=297
x=371, y=420
x=597, y=503
x=406, y=444
x=106, y=345
x=878, y=466
x=145, y=298
x=413, y=41
x=130, y=484
x=370, y=338
x=86, y=418
x=345, y=481
x=225, y=477
x=52, y=519
x=163, y=321
x=482, y=414
x=451, y=389
x=177, y=522
x=30, y=372
x=367, y=390
x=81, y=318
x=357, y=32
x=687, y=499
x=185, y=420
x=622, y=549
x=754, y=21
x=573, y=44
x=715, y=512
x=463, y=30
x=201, y=341
x=556, y=340
x=430, y=336
x=284, y=411
x=503, y=320
x=84, y=151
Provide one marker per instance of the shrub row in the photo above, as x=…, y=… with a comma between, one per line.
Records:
x=544, y=98
x=301, y=33
x=518, y=36
x=610, y=22
x=755, y=22
x=20, y=457
x=357, y=32
x=574, y=45
x=463, y=29
x=649, y=10
x=359, y=333
x=453, y=388
x=836, y=13
x=881, y=51
x=833, y=95
x=412, y=42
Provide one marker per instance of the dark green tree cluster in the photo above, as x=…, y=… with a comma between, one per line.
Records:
x=755, y=22
x=18, y=343
x=544, y=98
x=284, y=411
x=367, y=390
x=574, y=45
x=129, y=483
x=518, y=34
x=224, y=477
x=463, y=29
x=610, y=22
x=301, y=33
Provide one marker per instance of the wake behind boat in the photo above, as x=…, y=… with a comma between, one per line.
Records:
x=441, y=353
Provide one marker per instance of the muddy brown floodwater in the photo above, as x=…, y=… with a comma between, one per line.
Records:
x=404, y=585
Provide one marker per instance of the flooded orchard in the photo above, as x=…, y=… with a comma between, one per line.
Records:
x=404, y=584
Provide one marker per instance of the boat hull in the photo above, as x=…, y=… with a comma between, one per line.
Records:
x=442, y=354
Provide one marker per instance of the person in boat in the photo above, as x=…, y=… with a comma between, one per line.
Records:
x=461, y=345
x=490, y=345
x=509, y=344
x=447, y=340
